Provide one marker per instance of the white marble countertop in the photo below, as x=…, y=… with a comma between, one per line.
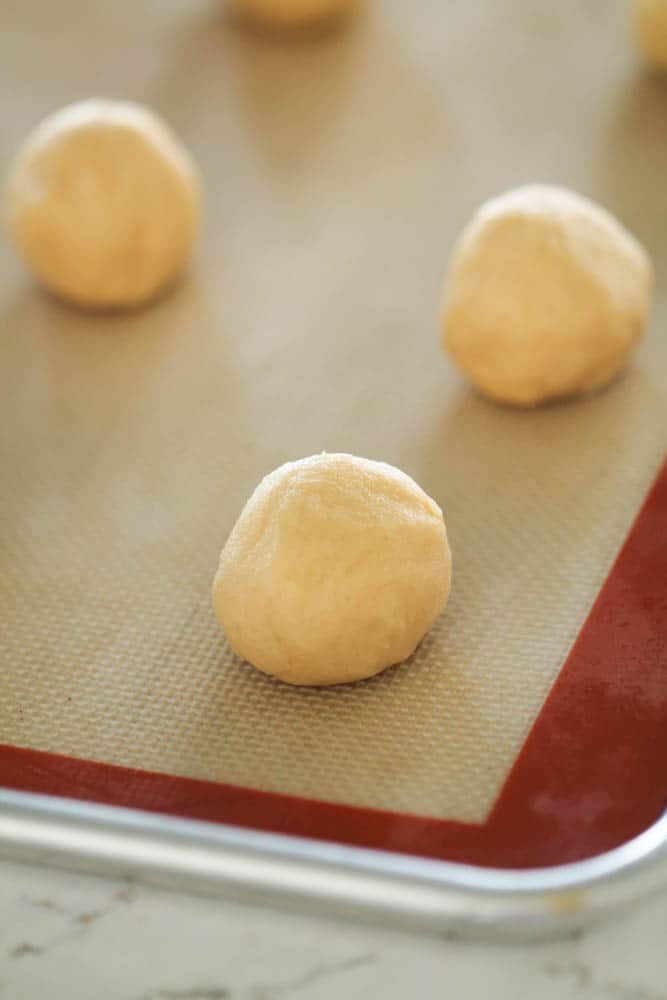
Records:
x=80, y=937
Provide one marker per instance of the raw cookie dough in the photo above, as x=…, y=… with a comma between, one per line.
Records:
x=102, y=203
x=650, y=21
x=286, y=14
x=336, y=568
x=546, y=296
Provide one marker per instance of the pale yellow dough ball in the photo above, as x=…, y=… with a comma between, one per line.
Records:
x=650, y=23
x=336, y=569
x=102, y=203
x=546, y=295
x=293, y=14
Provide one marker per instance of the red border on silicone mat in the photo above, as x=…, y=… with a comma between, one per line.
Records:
x=591, y=774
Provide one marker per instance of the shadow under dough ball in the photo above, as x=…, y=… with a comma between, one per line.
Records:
x=335, y=569
x=546, y=296
x=103, y=203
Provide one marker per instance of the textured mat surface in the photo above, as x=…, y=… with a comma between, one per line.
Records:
x=337, y=176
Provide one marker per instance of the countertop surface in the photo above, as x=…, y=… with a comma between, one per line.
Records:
x=78, y=937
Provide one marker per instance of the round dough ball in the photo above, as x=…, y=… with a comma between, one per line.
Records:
x=650, y=20
x=102, y=203
x=291, y=14
x=546, y=296
x=336, y=569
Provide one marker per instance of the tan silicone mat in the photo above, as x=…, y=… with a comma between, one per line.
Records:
x=338, y=172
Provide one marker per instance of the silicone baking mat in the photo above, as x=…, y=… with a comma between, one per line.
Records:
x=338, y=172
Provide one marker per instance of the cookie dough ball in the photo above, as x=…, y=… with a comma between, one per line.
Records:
x=335, y=569
x=650, y=22
x=102, y=203
x=545, y=297
x=293, y=14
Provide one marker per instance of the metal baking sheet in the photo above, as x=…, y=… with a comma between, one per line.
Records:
x=528, y=729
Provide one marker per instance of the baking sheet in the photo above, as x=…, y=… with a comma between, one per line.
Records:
x=337, y=174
